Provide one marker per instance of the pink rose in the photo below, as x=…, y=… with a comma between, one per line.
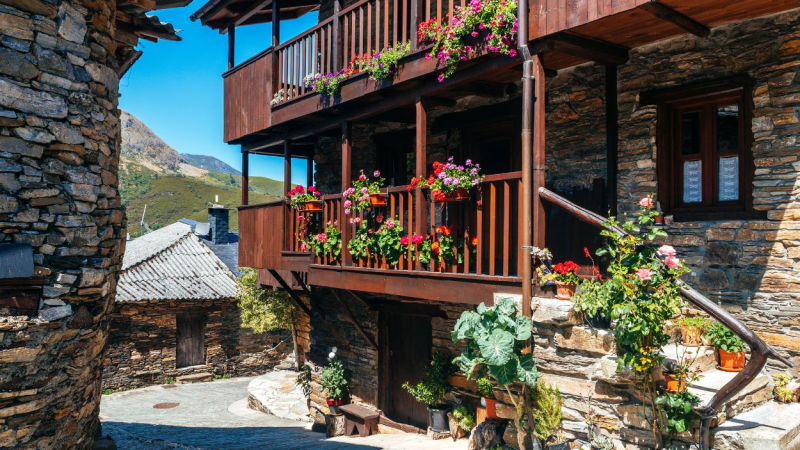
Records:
x=646, y=202
x=672, y=262
x=644, y=274
x=666, y=250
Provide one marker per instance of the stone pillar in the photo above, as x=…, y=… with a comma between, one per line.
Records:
x=59, y=152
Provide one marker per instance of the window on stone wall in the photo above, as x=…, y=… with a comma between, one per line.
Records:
x=705, y=167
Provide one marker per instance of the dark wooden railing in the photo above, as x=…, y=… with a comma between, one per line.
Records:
x=759, y=350
x=261, y=234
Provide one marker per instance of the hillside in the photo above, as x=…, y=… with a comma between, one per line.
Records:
x=174, y=186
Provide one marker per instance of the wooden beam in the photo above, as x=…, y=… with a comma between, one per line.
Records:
x=246, y=178
x=276, y=23
x=354, y=322
x=439, y=101
x=590, y=49
x=296, y=276
x=347, y=167
x=231, y=47
x=668, y=14
x=290, y=291
x=421, y=166
x=488, y=89
x=133, y=56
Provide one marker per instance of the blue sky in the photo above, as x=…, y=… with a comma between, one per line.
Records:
x=176, y=87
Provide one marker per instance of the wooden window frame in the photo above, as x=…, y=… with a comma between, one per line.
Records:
x=704, y=98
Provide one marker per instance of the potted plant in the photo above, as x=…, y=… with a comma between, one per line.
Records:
x=304, y=200
x=546, y=408
x=364, y=194
x=679, y=408
x=334, y=383
x=692, y=329
x=595, y=303
x=450, y=182
x=730, y=347
x=432, y=390
x=390, y=241
x=487, y=397
x=461, y=422
x=782, y=391
x=564, y=275
x=329, y=242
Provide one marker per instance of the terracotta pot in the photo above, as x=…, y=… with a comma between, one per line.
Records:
x=459, y=195
x=565, y=291
x=313, y=205
x=491, y=407
x=334, y=405
x=691, y=336
x=731, y=362
x=376, y=200
x=659, y=220
x=675, y=383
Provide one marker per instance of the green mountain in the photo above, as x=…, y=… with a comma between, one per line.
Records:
x=153, y=174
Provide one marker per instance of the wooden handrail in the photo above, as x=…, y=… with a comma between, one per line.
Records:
x=760, y=351
x=307, y=32
x=262, y=205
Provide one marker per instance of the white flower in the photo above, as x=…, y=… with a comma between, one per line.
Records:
x=332, y=355
x=334, y=349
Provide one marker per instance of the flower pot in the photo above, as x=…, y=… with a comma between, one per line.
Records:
x=334, y=405
x=376, y=200
x=565, y=291
x=731, y=362
x=675, y=383
x=459, y=195
x=598, y=321
x=437, y=418
x=312, y=206
x=691, y=336
x=491, y=407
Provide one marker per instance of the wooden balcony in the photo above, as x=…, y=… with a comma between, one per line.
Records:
x=270, y=238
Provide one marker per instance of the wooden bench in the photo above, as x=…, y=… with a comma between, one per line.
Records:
x=360, y=420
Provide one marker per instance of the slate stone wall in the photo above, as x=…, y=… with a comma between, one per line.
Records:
x=59, y=148
x=142, y=343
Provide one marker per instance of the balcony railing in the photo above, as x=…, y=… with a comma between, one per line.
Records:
x=488, y=226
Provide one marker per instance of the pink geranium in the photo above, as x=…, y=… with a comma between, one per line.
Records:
x=644, y=274
x=666, y=250
x=646, y=202
x=404, y=240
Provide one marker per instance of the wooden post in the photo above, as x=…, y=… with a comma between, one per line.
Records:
x=276, y=39
x=417, y=10
x=310, y=169
x=246, y=177
x=421, y=159
x=231, y=47
x=539, y=149
x=347, y=159
x=612, y=137
x=287, y=167
x=337, y=37
x=527, y=189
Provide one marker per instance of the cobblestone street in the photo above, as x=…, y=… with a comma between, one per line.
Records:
x=214, y=416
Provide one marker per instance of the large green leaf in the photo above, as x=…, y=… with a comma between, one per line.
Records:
x=524, y=328
x=466, y=362
x=505, y=374
x=506, y=306
x=526, y=370
x=465, y=326
x=497, y=348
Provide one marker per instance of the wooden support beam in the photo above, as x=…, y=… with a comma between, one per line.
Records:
x=231, y=47
x=439, y=101
x=133, y=56
x=589, y=49
x=361, y=300
x=612, y=138
x=488, y=89
x=276, y=24
x=287, y=167
x=252, y=10
x=421, y=166
x=302, y=283
x=539, y=151
x=347, y=167
x=310, y=169
x=668, y=14
x=354, y=322
x=290, y=291
x=246, y=178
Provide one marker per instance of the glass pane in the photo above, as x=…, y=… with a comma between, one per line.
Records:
x=729, y=179
x=692, y=182
x=728, y=128
x=691, y=133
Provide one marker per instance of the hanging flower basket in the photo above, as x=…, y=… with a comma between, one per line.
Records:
x=376, y=200
x=459, y=195
x=312, y=206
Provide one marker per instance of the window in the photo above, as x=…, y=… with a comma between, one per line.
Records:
x=705, y=167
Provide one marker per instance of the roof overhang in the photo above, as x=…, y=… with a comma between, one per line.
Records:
x=224, y=14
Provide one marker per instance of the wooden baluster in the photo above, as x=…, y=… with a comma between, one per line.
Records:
x=439, y=5
x=466, y=217
x=345, y=42
x=353, y=48
x=518, y=216
x=479, y=234
x=335, y=41
x=416, y=14
x=506, y=226
x=401, y=221
x=378, y=46
x=397, y=20
x=386, y=23
x=454, y=221
x=361, y=25
x=432, y=216
x=411, y=228
x=369, y=27
x=492, y=227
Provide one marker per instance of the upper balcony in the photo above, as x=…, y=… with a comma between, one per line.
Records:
x=266, y=100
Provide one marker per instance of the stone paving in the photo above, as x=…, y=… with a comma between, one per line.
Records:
x=214, y=416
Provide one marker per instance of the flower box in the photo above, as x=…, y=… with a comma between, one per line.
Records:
x=459, y=195
x=731, y=362
x=312, y=206
x=376, y=200
x=565, y=291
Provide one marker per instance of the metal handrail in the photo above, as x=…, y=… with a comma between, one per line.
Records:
x=760, y=351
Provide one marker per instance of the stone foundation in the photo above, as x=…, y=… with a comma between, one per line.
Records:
x=142, y=344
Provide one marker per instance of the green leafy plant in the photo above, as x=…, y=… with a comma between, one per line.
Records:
x=432, y=389
x=546, y=407
x=677, y=408
x=363, y=245
x=356, y=197
x=383, y=64
x=722, y=337
x=329, y=242
x=593, y=299
x=448, y=248
x=485, y=387
x=108, y=391
x=463, y=418
x=333, y=380
x=390, y=241
x=781, y=391
x=304, y=380
x=263, y=310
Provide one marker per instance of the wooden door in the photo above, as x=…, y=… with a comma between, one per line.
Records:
x=191, y=343
x=409, y=350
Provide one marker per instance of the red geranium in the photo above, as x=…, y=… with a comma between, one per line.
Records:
x=566, y=268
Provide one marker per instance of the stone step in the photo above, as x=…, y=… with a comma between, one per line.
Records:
x=772, y=426
x=277, y=394
x=705, y=358
x=753, y=395
x=195, y=378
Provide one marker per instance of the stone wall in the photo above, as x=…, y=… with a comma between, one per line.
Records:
x=59, y=146
x=142, y=342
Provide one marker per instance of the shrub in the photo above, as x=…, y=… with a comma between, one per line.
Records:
x=431, y=390
x=333, y=380
x=723, y=338
x=546, y=407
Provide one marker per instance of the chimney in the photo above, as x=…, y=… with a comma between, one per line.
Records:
x=218, y=223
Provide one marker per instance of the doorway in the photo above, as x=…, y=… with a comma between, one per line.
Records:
x=191, y=349
x=406, y=349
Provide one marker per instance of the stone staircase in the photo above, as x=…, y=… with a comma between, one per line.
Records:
x=772, y=426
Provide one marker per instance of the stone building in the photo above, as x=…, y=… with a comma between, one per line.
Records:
x=60, y=64
x=176, y=313
x=694, y=102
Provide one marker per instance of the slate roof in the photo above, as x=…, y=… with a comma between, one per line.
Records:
x=172, y=263
x=228, y=253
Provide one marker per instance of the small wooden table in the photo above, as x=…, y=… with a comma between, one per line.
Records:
x=359, y=419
